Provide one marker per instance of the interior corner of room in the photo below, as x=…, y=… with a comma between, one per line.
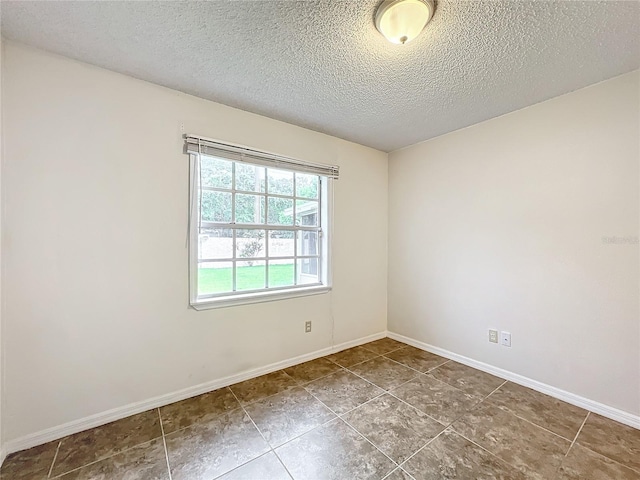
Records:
x=507, y=242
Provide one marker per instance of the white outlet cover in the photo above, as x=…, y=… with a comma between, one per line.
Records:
x=493, y=336
x=505, y=339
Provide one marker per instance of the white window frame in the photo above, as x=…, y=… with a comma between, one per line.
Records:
x=228, y=299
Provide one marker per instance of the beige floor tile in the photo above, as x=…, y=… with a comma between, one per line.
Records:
x=308, y=371
x=266, y=467
x=416, y=358
x=102, y=442
x=435, y=398
x=514, y=440
x=611, y=439
x=583, y=464
x=351, y=356
x=397, y=429
x=287, y=415
x=207, y=450
x=342, y=391
x=144, y=462
x=384, y=345
x=452, y=457
x=548, y=412
x=201, y=408
x=334, y=452
x=33, y=463
x=466, y=378
x=261, y=387
x=383, y=372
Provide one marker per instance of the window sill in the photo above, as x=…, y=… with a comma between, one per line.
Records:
x=235, y=300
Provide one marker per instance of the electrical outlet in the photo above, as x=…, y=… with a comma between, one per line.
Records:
x=493, y=336
x=307, y=327
x=505, y=339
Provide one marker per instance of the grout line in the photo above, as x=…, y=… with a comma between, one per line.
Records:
x=282, y=463
x=384, y=392
x=624, y=466
x=494, y=391
x=404, y=345
x=324, y=404
x=421, y=411
x=373, y=444
x=524, y=419
x=488, y=401
x=164, y=442
x=402, y=364
x=421, y=448
x=101, y=459
x=268, y=396
x=271, y=449
x=593, y=451
x=363, y=403
x=55, y=457
x=302, y=384
x=242, y=465
x=397, y=386
x=493, y=454
x=578, y=433
x=398, y=469
x=304, y=433
x=375, y=355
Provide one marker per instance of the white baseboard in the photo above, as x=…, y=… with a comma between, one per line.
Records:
x=596, y=407
x=92, y=421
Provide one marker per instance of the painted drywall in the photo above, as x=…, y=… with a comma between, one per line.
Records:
x=94, y=241
x=527, y=223
x=2, y=452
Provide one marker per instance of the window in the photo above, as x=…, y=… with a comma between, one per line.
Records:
x=259, y=225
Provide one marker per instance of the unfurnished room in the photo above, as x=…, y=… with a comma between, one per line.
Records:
x=320, y=240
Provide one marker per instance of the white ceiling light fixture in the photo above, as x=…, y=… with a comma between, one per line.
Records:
x=400, y=21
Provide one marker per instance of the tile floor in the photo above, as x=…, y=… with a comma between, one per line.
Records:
x=384, y=410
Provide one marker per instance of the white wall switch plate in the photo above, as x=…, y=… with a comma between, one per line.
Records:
x=493, y=336
x=505, y=339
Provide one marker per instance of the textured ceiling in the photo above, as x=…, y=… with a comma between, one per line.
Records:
x=323, y=65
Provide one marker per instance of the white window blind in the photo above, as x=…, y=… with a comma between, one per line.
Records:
x=197, y=145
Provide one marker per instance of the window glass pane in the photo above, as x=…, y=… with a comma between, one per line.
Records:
x=306, y=213
x=281, y=243
x=250, y=244
x=215, y=172
x=216, y=206
x=215, y=243
x=307, y=185
x=249, y=178
x=281, y=273
x=215, y=277
x=249, y=208
x=280, y=211
x=308, y=243
x=280, y=182
x=250, y=275
x=307, y=271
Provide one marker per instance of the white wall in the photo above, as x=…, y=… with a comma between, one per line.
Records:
x=2, y=452
x=502, y=224
x=95, y=260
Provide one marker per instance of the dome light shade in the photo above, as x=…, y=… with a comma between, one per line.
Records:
x=400, y=21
